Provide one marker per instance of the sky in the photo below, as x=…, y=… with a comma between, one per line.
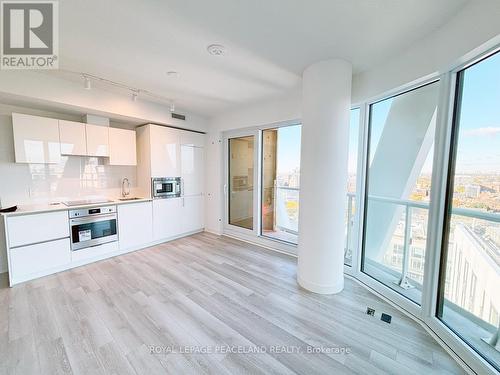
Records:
x=479, y=135
x=353, y=141
x=288, y=148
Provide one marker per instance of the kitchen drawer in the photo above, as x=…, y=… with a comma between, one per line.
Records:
x=33, y=259
x=94, y=252
x=31, y=229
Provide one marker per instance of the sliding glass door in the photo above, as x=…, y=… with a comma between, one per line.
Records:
x=469, y=292
x=241, y=181
x=280, y=183
x=398, y=183
x=262, y=169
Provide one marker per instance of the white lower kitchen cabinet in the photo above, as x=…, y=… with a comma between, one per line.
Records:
x=31, y=261
x=167, y=216
x=135, y=225
x=30, y=229
x=173, y=217
x=192, y=214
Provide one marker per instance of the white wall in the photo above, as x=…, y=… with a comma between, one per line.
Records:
x=475, y=25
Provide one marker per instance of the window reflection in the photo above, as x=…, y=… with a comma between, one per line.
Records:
x=469, y=293
x=401, y=137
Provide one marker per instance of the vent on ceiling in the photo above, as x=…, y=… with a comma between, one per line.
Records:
x=178, y=116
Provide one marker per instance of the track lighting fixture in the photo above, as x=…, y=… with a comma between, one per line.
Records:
x=135, y=92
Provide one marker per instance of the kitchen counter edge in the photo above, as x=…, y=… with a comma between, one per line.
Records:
x=38, y=209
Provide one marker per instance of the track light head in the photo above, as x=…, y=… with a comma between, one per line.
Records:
x=87, y=83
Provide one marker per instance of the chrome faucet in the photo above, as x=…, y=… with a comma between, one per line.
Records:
x=125, y=187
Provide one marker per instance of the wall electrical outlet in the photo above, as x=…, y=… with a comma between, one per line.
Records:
x=386, y=318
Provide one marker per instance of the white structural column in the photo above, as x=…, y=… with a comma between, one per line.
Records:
x=326, y=103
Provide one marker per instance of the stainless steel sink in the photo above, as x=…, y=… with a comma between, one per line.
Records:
x=129, y=199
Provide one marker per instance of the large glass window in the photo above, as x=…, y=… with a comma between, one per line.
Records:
x=469, y=301
x=280, y=182
x=351, y=184
x=401, y=138
x=241, y=171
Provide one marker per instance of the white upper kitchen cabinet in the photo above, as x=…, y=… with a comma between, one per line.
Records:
x=36, y=139
x=192, y=171
x=192, y=139
x=135, y=225
x=165, y=152
x=97, y=140
x=122, y=147
x=73, y=138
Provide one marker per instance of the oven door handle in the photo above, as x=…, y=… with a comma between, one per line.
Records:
x=76, y=221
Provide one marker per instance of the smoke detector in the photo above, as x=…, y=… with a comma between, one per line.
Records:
x=216, y=50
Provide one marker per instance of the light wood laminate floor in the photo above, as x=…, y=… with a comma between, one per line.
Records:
x=203, y=293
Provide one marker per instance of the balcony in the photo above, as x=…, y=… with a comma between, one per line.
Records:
x=471, y=297
x=285, y=226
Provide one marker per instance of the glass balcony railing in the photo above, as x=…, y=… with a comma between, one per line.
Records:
x=398, y=256
x=349, y=219
x=287, y=209
x=471, y=297
x=286, y=214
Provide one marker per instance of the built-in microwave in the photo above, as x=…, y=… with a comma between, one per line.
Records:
x=166, y=187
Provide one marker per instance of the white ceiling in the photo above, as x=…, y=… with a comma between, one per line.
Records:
x=269, y=42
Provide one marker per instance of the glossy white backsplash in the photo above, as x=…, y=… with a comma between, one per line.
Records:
x=74, y=177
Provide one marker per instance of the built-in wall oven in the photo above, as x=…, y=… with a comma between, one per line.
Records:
x=165, y=187
x=93, y=226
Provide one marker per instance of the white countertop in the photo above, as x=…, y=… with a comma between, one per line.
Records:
x=40, y=208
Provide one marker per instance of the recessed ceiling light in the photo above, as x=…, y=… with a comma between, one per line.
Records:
x=173, y=74
x=216, y=49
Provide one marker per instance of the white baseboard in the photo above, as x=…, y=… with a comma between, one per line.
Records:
x=264, y=243
x=211, y=231
x=320, y=289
